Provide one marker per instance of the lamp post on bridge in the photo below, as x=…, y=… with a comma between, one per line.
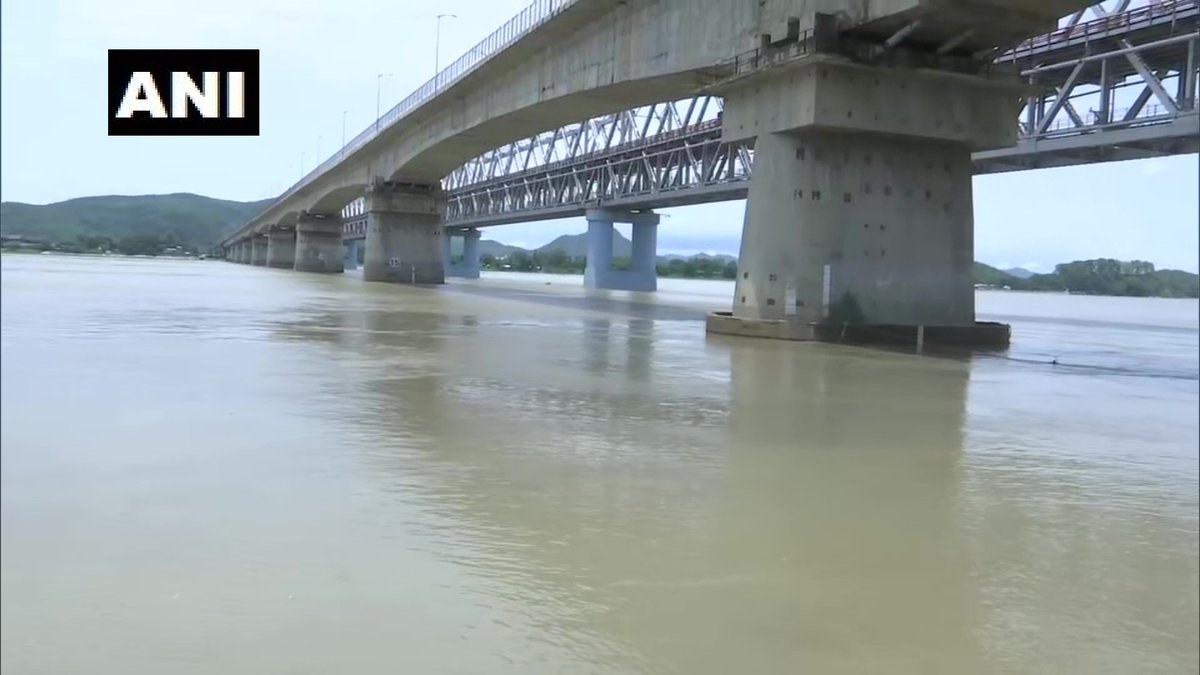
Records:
x=437, y=47
x=378, y=83
x=342, y=153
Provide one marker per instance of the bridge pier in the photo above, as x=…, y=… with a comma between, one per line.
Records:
x=319, y=243
x=352, y=254
x=258, y=249
x=404, y=234
x=281, y=248
x=859, y=210
x=642, y=274
x=468, y=268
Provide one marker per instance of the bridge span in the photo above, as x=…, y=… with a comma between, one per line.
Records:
x=875, y=113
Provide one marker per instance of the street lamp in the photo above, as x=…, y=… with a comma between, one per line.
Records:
x=378, y=82
x=437, y=47
x=343, y=152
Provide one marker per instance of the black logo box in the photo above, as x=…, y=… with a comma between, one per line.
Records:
x=160, y=63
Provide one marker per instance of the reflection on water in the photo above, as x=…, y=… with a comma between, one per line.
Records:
x=214, y=468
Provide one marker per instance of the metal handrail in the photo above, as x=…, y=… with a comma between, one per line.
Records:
x=533, y=16
x=1105, y=25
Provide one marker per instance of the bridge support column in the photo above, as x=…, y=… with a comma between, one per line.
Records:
x=642, y=274
x=258, y=249
x=468, y=268
x=319, y=243
x=404, y=234
x=859, y=212
x=281, y=249
x=352, y=254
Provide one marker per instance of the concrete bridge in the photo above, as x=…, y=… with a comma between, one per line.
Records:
x=864, y=112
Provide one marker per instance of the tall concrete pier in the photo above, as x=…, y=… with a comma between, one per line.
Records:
x=281, y=248
x=404, y=234
x=319, y=243
x=258, y=249
x=860, y=206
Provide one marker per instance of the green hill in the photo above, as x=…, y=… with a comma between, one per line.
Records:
x=575, y=245
x=181, y=218
x=991, y=276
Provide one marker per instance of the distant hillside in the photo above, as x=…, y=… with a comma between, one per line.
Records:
x=990, y=276
x=486, y=247
x=182, y=217
x=1102, y=276
x=1019, y=272
x=575, y=245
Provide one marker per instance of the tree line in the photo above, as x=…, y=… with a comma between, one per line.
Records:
x=558, y=262
x=1107, y=276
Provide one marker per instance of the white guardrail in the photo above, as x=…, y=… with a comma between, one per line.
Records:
x=537, y=13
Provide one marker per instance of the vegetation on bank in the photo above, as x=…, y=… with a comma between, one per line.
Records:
x=1102, y=276
x=137, y=225
x=1087, y=277
x=188, y=224
x=557, y=261
x=136, y=244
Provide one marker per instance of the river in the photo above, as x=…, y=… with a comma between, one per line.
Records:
x=213, y=468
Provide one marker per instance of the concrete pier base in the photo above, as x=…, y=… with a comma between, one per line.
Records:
x=281, y=249
x=468, y=267
x=642, y=274
x=319, y=243
x=404, y=234
x=352, y=254
x=258, y=250
x=980, y=334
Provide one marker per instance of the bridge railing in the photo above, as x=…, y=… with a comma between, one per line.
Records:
x=1103, y=26
x=534, y=15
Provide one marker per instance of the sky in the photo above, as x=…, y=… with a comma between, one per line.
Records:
x=322, y=57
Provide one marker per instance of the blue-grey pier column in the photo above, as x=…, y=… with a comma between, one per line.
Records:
x=352, y=254
x=468, y=267
x=319, y=243
x=642, y=274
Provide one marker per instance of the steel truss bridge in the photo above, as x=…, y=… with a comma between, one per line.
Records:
x=1117, y=83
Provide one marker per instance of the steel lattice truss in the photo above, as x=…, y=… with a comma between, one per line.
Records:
x=1119, y=83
